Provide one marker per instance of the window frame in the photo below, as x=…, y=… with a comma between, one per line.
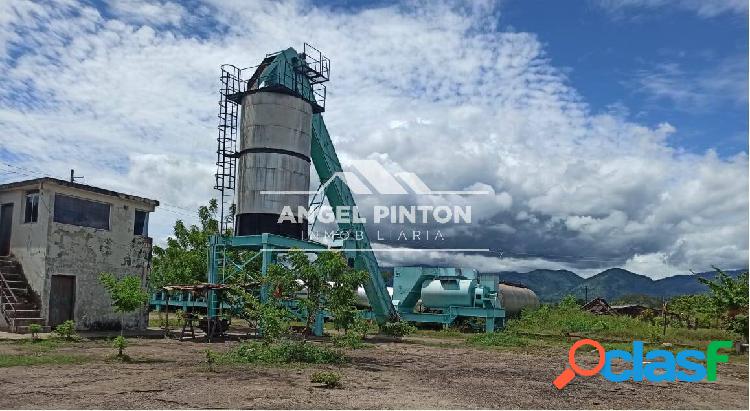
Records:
x=109, y=212
x=144, y=228
x=28, y=193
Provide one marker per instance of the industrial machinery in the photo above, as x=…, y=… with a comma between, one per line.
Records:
x=270, y=129
x=444, y=295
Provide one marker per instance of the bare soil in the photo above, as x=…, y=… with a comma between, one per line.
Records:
x=417, y=373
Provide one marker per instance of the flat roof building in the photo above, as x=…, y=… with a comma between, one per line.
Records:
x=56, y=238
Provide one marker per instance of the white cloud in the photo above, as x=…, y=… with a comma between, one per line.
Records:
x=130, y=101
x=702, y=8
x=706, y=90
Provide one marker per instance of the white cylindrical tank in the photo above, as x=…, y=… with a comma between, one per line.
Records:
x=514, y=299
x=274, y=155
x=446, y=293
x=361, y=297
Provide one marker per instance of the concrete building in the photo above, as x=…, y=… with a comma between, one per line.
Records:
x=56, y=238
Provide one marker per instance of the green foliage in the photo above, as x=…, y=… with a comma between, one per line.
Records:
x=560, y=321
x=120, y=343
x=126, y=294
x=330, y=285
x=326, y=283
x=283, y=352
x=397, y=329
x=183, y=260
x=67, y=330
x=569, y=301
x=211, y=358
x=327, y=378
x=35, y=329
x=693, y=310
x=12, y=360
x=730, y=297
x=354, y=336
x=640, y=299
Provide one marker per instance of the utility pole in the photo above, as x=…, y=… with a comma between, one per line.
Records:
x=586, y=294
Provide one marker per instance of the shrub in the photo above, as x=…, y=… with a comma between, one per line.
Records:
x=211, y=358
x=283, y=352
x=397, y=329
x=327, y=378
x=67, y=330
x=354, y=336
x=35, y=329
x=120, y=343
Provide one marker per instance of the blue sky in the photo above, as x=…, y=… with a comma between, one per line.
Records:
x=610, y=133
x=605, y=52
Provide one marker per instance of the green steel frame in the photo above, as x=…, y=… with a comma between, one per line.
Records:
x=293, y=73
x=222, y=266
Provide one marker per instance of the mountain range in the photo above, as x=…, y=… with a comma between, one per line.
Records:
x=611, y=284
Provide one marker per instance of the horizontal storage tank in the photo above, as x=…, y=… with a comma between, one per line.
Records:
x=514, y=299
x=274, y=155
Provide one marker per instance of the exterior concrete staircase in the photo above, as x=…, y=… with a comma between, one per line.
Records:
x=19, y=305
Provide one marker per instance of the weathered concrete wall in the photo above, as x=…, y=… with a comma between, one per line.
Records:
x=86, y=252
x=28, y=241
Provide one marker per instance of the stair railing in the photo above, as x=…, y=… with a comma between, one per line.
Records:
x=7, y=297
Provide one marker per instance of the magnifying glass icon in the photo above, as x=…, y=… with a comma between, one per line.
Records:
x=573, y=369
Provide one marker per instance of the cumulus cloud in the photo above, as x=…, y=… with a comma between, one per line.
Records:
x=129, y=99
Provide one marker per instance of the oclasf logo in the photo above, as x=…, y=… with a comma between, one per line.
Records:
x=660, y=365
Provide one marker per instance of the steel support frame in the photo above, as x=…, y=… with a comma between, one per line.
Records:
x=494, y=317
x=269, y=246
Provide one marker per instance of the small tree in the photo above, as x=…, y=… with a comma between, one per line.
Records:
x=730, y=296
x=66, y=330
x=35, y=329
x=120, y=343
x=127, y=296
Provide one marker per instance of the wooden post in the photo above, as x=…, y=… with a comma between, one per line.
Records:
x=664, y=315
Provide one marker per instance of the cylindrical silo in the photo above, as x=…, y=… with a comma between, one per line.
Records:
x=274, y=156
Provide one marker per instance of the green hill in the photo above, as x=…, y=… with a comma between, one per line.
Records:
x=614, y=283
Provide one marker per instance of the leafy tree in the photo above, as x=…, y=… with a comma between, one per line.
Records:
x=310, y=286
x=126, y=294
x=184, y=259
x=330, y=284
x=730, y=297
x=693, y=310
x=569, y=301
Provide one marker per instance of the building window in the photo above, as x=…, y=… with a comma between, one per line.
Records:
x=141, y=223
x=77, y=211
x=31, y=211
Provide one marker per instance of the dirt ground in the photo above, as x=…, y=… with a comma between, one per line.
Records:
x=417, y=373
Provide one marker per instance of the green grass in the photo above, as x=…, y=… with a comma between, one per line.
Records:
x=549, y=324
x=12, y=360
x=284, y=352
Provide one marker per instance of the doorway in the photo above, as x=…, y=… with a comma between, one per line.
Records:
x=62, y=299
x=6, y=221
